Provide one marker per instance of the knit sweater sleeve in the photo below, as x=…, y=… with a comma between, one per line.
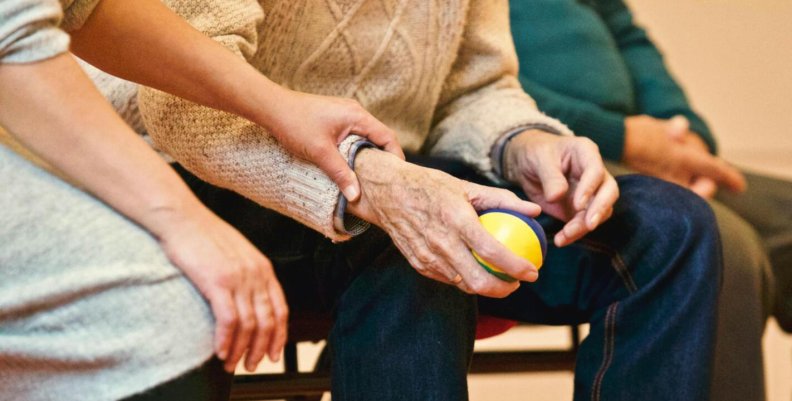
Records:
x=229, y=151
x=481, y=98
x=657, y=92
x=29, y=31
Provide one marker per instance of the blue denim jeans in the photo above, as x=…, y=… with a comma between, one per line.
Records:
x=647, y=281
x=396, y=334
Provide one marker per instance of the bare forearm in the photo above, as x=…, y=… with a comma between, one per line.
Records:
x=145, y=42
x=86, y=140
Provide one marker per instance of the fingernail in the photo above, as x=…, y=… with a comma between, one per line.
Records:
x=595, y=219
x=559, y=239
x=351, y=193
x=222, y=354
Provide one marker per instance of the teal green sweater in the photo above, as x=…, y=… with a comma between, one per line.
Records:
x=588, y=64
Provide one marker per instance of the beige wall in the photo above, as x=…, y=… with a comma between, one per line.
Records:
x=735, y=59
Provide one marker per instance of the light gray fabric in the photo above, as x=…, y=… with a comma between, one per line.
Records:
x=90, y=307
x=29, y=30
x=744, y=306
x=33, y=30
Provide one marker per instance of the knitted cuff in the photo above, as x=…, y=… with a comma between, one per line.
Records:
x=496, y=154
x=348, y=224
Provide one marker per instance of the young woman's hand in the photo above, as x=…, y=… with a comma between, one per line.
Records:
x=238, y=281
x=311, y=127
x=174, y=57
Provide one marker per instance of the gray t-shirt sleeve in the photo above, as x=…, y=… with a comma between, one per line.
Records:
x=30, y=32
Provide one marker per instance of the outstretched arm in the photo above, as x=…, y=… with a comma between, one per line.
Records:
x=236, y=153
x=145, y=42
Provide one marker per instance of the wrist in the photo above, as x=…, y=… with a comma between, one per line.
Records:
x=513, y=151
x=168, y=217
x=267, y=103
x=375, y=170
x=633, y=143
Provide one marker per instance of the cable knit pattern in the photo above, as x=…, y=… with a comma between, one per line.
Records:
x=439, y=72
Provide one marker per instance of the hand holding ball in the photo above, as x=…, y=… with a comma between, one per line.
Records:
x=519, y=233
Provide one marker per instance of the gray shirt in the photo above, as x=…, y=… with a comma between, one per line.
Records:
x=33, y=30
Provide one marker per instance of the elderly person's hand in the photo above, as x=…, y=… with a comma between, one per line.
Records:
x=565, y=175
x=431, y=217
x=667, y=149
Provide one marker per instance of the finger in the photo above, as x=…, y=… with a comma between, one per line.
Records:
x=606, y=196
x=704, y=187
x=262, y=335
x=281, y=315
x=572, y=231
x=477, y=280
x=453, y=260
x=379, y=134
x=226, y=319
x=338, y=170
x=483, y=198
x=719, y=171
x=677, y=127
x=493, y=252
x=593, y=176
x=429, y=261
x=554, y=184
x=245, y=328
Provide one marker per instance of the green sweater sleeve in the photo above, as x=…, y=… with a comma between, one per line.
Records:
x=657, y=93
x=585, y=118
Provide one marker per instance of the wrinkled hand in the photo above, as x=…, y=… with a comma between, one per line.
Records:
x=311, y=127
x=431, y=217
x=667, y=149
x=238, y=281
x=565, y=175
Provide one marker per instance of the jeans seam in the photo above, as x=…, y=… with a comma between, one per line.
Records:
x=617, y=261
x=609, y=348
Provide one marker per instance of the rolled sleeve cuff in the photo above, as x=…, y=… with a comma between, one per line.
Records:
x=499, y=147
x=347, y=224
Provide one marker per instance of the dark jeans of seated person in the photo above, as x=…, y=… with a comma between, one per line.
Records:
x=647, y=281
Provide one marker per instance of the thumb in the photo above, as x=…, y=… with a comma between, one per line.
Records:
x=341, y=174
x=677, y=127
x=379, y=134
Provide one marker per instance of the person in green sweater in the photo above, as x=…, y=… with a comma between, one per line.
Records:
x=588, y=64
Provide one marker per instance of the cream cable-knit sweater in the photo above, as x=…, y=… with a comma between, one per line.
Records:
x=442, y=73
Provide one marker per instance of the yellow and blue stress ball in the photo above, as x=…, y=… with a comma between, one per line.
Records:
x=519, y=233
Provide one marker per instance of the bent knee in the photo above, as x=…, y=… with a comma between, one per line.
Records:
x=664, y=207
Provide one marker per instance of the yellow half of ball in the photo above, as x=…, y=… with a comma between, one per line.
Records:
x=515, y=234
